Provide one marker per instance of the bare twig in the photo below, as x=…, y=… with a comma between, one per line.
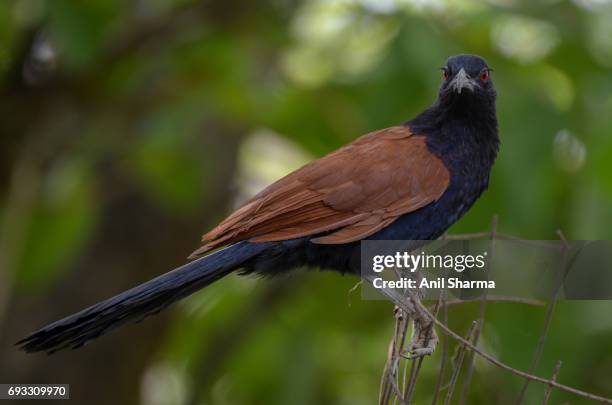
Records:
x=481, y=317
x=497, y=298
x=561, y=273
x=416, y=365
x=470, y=366
x=444, y=353
x=459, y=363
x=554, y=378
x=467, y=236
x=351, y=291
x=396, y=345
x=500, y=236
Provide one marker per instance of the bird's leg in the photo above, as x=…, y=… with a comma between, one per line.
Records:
x=424, y=339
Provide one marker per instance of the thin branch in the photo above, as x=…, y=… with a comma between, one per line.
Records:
x=459, y=363
x=400, y=341
x=350, y=292
x=497, y=298
x=561, y=274
x=444, y=356
x=467, y=236
x=416, y=365
x=385, y=388
x=500, y=236
x=554, y=378
x=396, y=390
x=481, y=317
x=470, y=367
x=388, y=382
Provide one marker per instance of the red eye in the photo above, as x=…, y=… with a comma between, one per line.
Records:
x=445, y=74
x=484, y=76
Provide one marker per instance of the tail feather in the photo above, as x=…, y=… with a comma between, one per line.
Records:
x=139, y=302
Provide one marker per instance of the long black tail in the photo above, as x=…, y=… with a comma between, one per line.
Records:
x=136, y=304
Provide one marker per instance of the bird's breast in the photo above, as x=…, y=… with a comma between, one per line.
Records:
x=468, y=155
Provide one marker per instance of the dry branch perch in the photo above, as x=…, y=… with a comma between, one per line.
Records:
x=409, y=303
x=400, y=301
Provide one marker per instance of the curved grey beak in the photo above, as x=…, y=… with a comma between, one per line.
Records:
x=462, y=81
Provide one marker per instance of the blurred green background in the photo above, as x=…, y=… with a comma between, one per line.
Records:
x=128, y=128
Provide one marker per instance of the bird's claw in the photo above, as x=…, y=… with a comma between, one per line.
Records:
x=423, y=343
x=417, y=353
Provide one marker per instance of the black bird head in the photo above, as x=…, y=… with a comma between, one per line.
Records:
x=465, y=77
x=466, y=100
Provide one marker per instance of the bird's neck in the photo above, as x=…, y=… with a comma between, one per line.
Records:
x=469, y=112
x=464, y=127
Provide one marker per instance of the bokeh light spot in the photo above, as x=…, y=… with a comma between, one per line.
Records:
x=569, y=152
x=523, y=39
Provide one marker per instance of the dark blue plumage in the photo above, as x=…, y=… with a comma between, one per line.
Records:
x=137, y=303
x=459, y=129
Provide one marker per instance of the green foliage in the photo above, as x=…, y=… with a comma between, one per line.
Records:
x=81, y=28
x=60, y=225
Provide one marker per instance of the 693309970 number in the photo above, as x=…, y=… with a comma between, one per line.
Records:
x=34, y=391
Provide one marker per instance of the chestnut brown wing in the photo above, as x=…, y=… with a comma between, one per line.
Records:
x=346, y=196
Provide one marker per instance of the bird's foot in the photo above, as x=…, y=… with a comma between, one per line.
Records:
x=424, y=340
x=418, y=353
